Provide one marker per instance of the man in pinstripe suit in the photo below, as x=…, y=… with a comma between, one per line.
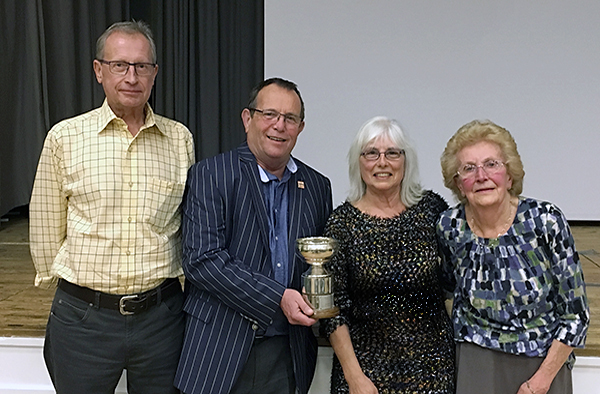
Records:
x=247, y=325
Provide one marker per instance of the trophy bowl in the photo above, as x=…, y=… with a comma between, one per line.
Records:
x=318, y=284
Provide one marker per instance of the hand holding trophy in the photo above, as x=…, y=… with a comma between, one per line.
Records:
x=318, y=288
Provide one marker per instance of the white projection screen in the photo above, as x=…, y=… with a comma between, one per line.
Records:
x=531, y=66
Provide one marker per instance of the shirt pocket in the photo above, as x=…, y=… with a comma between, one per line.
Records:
x=162, y=201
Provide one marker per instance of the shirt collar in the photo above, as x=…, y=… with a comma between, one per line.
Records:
x=266, y=176
x=107, y=115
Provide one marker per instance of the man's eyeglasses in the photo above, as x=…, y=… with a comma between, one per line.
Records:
x=490, y=167
x=272, y=116
x=390, y=154
x=120, y=67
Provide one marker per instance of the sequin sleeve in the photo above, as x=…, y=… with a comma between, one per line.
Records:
x=447, y=268
x=448, y=228
x=337, y=228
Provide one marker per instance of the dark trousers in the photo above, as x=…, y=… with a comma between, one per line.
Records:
x=87, y=348
x=269, y=369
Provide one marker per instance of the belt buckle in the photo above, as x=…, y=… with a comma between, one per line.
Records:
x=122, y=304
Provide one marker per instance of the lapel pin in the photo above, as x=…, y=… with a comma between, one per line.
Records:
x=300, y=184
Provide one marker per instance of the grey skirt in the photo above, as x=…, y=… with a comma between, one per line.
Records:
x=481, y=370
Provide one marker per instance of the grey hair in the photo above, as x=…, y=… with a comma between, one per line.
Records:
x=377, y=127
x=130, y=27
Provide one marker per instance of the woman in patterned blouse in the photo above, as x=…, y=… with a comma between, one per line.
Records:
x=520, y=305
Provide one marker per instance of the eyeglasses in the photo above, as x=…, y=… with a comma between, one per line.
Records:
x=490, y=167
x=120, y=67
x=390, y=154
x=272, y=116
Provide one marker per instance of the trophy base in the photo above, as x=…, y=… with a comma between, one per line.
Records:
x=322, y=305
x=326, y=313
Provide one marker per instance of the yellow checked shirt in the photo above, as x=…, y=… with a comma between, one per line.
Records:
x=105, y=207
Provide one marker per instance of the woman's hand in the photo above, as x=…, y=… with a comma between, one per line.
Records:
x=341, y=343
x=541, y=380
x=361, y=384
x=535, y=386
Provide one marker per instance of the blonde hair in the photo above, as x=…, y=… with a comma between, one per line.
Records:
x=473, y=133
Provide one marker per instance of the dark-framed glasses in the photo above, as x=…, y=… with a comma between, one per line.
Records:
x=272, y=116
x=490, y=167
x=120, y=67
x=390, y=154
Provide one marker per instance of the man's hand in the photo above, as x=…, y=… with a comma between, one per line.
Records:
x=296, y=310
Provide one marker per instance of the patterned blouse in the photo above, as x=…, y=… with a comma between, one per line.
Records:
x=520, y=291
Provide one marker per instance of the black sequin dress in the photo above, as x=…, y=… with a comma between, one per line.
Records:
x=387, y=285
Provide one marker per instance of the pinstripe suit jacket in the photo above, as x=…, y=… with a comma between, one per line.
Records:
x=230, y=290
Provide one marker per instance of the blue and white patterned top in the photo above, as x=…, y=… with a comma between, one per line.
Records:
x=518, y=292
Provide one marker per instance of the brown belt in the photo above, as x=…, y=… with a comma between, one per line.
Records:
x=126, y=304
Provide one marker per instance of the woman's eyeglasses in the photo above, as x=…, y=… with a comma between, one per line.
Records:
x=490, y=167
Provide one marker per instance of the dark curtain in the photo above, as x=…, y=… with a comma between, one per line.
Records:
x=46, y=75
x=210, y=54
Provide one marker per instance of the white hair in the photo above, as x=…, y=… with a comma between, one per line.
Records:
x=377, y=127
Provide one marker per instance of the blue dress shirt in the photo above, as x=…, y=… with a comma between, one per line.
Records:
x=276, y=199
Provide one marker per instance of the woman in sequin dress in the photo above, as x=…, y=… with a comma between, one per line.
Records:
x=519, y=297
x=393, y=334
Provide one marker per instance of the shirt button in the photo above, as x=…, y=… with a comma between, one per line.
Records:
x=130, y=184
x=255, y=326
x=127, y=252
x=129, y=219
x=279, y=265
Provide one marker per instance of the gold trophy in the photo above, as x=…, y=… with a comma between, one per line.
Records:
x=318, y=284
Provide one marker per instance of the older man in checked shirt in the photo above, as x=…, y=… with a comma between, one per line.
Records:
x=104, y=226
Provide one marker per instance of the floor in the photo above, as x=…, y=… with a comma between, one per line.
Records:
x=24, y=308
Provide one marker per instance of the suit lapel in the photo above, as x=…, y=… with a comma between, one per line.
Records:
x=250, y=172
